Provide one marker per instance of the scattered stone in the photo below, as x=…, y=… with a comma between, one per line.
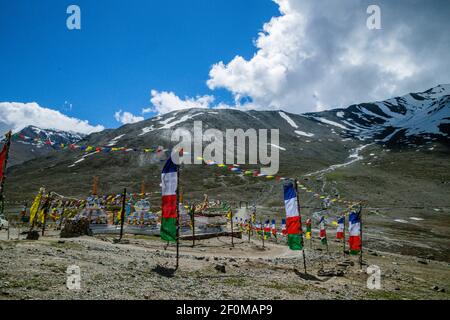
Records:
x=435, y=288
x=199, y=258
x=442, y=290
x=220, y=268
x=33, y=235
x=61, y=241
x=346, y=263
x=422, y=261
x=330, y=273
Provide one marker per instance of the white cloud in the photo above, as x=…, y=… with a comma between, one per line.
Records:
x=320, y=54
x=164, y=102
x=127, y=117
x=17, y=115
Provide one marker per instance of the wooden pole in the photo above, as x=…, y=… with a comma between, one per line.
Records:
x=45, y=221
x=249, y=226
x=95, y=186
x=122, y=213
x=45, y=208
x=343, y=239
x=301, y=231
x=262, y=232
x=193, y=224
x=232, y=230
x=178, y=219
x=143, y=189
x=62, y=215
x=361, y=236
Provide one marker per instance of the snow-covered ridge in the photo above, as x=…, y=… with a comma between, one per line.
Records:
x=415, y=114
x=38, y=137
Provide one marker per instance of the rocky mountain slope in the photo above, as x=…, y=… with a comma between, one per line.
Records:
x=308, y=144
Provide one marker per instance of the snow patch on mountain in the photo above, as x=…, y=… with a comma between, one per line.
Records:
x=288, y=119
x=82, y=159
x=326, y=121
x=168, y=124
x=114, y=141
x=147, y=130
x=278, y=147
x=305, y=134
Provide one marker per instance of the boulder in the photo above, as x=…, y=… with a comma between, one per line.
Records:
x=33, y=235
x=76, y=228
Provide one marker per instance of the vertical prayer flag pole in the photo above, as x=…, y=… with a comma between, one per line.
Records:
x=193, y=224
x=261, y=232
x=178, y=219
x=232, y=230
x=361, y=236
x=45, y=214
x=4, y=154
x=45, y=209
x=170, y=203
x=249, y=227
x=298, y=207
x=343, y=238
x=95, y=186
x=143, y=189
x=122, y=213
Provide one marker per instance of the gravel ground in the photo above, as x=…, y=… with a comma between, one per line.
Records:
x=142, y=268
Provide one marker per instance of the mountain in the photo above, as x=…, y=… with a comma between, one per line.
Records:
x=415, y=117
x=392, y=155
x=32, y=142
x=361, y=138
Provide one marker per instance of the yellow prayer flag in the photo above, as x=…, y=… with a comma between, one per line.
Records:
x=35, y=206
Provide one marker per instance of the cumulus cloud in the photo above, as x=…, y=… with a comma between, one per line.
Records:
x=164, y=102
x=320, y=54
x=16, y=116
x=127, y=117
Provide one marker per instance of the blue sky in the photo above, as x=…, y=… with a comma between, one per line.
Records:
x=295, y=55
x=123, y=50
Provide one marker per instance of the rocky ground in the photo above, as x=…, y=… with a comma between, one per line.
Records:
x=141, y=268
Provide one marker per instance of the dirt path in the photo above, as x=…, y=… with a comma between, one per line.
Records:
x=353, y=157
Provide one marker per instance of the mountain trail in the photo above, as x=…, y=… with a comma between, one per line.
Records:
x=353, y=157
